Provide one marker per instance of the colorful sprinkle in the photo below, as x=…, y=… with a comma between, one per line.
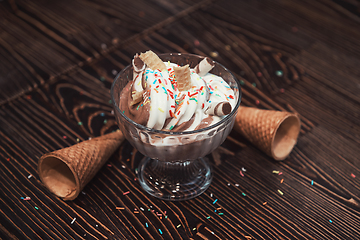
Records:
x=178, y=226
x=146, y=224
x=73, y=221
x=281, y=193
x=275, y=172
x=220, y=213
x=160, y=109
x=105, y=121
x=279, y=73
x=36, y=208
x=312, y=182
x=208, y=217
x=160, y=231
x=215, y=201
x=264, y=203
x=80, y=123
x=194, y=229
x=126, y=192
x=120, y=208
x=241, y=173
x=353, y=175
x=244, y=194
x=29, y=176
x=282, y=180
x=330, y=221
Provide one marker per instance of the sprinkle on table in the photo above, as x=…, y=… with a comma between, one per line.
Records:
x=178, y=226
x=120, y=208
x=194, y=228
x=29, y=176
x=279, y=73
x=244, y=194
x=160, y=231
x=208, y=217
x=275, y=172
x=146, y=224
x=281, y=193
x=312, y=182
x=353, y=175
x=126, y=192
x=264, y=203
x=215, y=201
x=80, y=123
x=36, y=208
x=241, y=173
x=282, y=180
x=220, y=213
x=72, y=222
x=330, y=221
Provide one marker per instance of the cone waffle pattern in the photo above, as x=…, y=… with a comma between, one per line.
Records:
x=183, y=78
x=86, y=158
x=259, y=126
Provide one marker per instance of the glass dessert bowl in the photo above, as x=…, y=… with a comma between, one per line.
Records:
x=174, y=167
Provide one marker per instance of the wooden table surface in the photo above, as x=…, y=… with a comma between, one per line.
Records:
x=59, y=58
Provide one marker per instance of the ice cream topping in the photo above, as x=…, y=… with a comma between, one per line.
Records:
x=169, y=97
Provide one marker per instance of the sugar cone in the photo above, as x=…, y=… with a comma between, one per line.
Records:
x=273, y=132
x=65, y=172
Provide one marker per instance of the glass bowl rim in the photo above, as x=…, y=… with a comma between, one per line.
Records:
x=142, y=127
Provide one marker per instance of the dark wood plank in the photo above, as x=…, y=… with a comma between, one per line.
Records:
x=314, y=194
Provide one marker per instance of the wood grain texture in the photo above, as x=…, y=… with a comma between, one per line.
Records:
x=59, y=58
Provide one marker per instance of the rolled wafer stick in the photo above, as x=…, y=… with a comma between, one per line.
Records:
x=204, y=66
x=183, y=77
x=65, y=172
x=219, y=109
x=138, y=64
x=153, y=61
x=273, y=132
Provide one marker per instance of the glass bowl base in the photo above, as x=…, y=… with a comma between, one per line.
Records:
x=175, y=181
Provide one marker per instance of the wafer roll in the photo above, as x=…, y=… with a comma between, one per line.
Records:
x=153, y=61
x=273, y=132
x=138, y=64
x=204, y=66
x=65, y=172
x=219, y=109
x=183, y=78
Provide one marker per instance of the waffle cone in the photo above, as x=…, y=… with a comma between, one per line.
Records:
x=65, y=172
x=273, y=132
